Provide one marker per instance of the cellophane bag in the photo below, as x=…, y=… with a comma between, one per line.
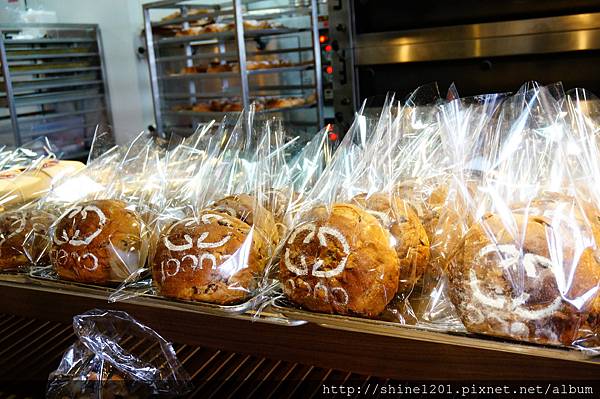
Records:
x=411, y=184
x=460, y=119
x=218, y=234
x=187, y=162
x=117, y=357
x=29, y=172
x=526, y=268
x=101, y=232
x=582, y=117
x=338, y=258
x=404, y=184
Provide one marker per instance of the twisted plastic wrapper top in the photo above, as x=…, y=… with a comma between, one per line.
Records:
x=106, y=362
x=357, y=243
x=527, y=267
x=102, y=230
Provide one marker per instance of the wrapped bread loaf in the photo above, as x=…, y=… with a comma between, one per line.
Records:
x=98, y=241
x=213, y=257
x=340, y=262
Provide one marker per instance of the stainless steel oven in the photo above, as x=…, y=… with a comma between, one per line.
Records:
x=481, y=46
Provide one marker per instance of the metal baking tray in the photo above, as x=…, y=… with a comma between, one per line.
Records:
x=291, y=68
x=218, y=115
x=51, y=98
x=48, y=115
x=231, y=54
x=228, y=35
x=50, y=41
x=191, y=18
x=46, y=276
x=48, y=56
x=49, y=69
x=232, y=74
x=429, y=334
x=14, y=277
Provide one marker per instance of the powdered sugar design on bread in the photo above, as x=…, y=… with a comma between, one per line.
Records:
x=77, y=240
x=197, y=261
x=321, y=234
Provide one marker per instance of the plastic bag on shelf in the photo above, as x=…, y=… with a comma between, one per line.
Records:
x=526, y=268
x=216, y=233
x=460, y=120
x=405, y=186
x=116, y=356
x=105, y=214
x=582, y=110
x=30, y=171
x=338, y=258
x=186, y=166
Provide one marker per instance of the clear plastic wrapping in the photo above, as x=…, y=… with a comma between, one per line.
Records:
x=117, y=357
x=526, y=267
x=29, y=173
x=357, y=243
x=101, y=231
x=217, y=230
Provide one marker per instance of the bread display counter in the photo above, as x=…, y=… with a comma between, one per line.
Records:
x=454, y=240
x=395, y=353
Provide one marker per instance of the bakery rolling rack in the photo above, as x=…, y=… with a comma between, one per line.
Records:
x=53, y=84
x=190, y=34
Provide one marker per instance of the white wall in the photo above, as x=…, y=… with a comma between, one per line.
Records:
x=120, y=22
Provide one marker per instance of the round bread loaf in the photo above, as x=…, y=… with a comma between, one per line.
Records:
x=213, y=257
x=410, y=239
x=531, y=276
x=340, y=261
x=24, y=238
x=99, y=242
x=245, y=208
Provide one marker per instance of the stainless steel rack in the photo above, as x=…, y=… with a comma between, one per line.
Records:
x=168, y=51
x=52, y=83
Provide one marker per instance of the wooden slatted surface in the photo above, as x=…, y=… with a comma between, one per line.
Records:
x=30, y=349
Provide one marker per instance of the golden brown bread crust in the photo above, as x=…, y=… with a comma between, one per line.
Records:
x=246, y=208
x=98, y=241
x=23, y=238
x=210, y=258
x=340, y=262
x=502, y=291
x=411, y=242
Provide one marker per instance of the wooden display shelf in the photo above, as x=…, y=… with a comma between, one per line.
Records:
x=402, y=358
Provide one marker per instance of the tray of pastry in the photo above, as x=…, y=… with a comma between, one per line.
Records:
x=218, y=108
x=231, y=69
x=199, y=34
x=428, y=333
x=200, y=16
